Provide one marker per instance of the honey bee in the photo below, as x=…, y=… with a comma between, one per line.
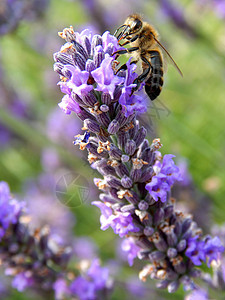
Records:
x=143, y=39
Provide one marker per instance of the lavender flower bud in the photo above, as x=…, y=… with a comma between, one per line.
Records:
x=79, y=61
x=173, y=286
x=84, y=115
x=159, y=242
x=148, y=231
x=140, y=136
x=98, y=56
x=181, y=245
x=106, y=99
x=121, y=170
x=122, y=138
x=113, y=181
x=92, y=125
x=157, y=256
x=146, y=155
x=128, y=208
x=158, y=216
x=87, y=46
x=89, y=99
x=63, y=58
x=172, y=252
x=146, y=175
x=96, y=40
x=126, y=182
x=115, y=152
x=125, y=158
x=80, y=50
x=104, y=108
x=143, y=205
x=130, y=147
x=90, y=65
x=113, y=127
x=103, y=119
x=135, y=174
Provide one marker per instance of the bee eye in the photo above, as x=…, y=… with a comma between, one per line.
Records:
x=137, y=25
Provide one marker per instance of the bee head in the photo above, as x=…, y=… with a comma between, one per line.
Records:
x=132, y=25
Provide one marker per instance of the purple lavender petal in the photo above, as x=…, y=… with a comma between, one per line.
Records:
x=131, y=248
x=212, y=248
x=22, y=281
x=105, y=78
x=60, y=288
x=195, y=251
x=83, y=288
x=78, y=80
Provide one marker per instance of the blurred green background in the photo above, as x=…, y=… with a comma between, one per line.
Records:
x=188, y=116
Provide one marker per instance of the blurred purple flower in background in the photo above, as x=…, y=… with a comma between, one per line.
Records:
x=45, y=209
x=36, y=259
x=86, y=287
x=218, y=6
x=14, y=11
x=198, y=294
x=131, y=249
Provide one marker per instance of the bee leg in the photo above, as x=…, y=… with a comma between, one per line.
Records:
x=143, y=76
x=124, y=66
x=124, y=51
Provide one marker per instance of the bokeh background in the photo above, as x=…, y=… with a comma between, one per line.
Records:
x=37, y=157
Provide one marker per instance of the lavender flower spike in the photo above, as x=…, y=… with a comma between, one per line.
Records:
x=37, y=260
x=137, y=180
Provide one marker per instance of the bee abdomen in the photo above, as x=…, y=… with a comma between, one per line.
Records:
x=154, y=83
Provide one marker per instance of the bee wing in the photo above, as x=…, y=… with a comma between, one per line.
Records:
x=174, y=63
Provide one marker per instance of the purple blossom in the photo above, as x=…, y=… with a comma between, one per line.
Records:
x=60, y=288
x=4, y=192
x=131, y=102
x=121, y=223
x=84, y=248
x=67, y=103
x=109, y=40
x=80, y=37
x=170, y=169
x=105, y=78
x=131, y=248
x=167, y=173
x=99, y=274
x=86, y=287
x=219, y=6
x=83, y=288
x=10, y=209
x=43, y=208
x=195, y=251
x=22, y=281
x=198, y=294
x=185, y=175
x=212, y=249
x=137, y=289
x=78, y=80
x=157, y=188
x=201, y=250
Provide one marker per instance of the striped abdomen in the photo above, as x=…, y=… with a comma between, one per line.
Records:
x=154, y=83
